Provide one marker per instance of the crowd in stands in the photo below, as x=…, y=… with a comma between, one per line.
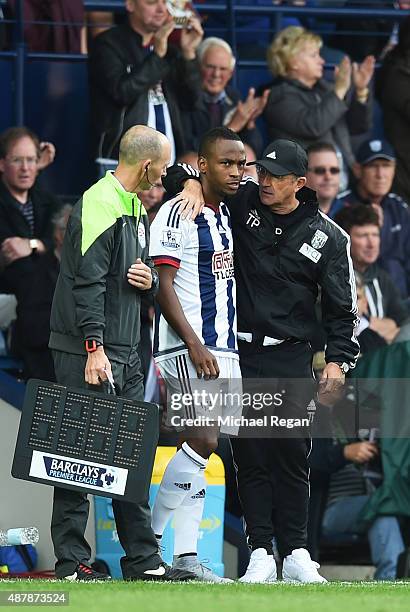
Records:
x=145, y=71
x=303, y=106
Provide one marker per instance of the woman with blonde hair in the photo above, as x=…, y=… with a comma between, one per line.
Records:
x=303, y=106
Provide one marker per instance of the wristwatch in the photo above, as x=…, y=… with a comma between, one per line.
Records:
x=33, y=242
x=343, y=366
x=91, y=345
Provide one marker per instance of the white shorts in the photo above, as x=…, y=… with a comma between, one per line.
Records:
x=195, y=402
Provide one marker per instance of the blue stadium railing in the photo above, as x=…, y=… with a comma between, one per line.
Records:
x=30, y=82
x=229, y=11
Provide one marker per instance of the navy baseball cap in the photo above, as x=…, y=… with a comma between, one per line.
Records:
x=283, y=157
x=375, y=149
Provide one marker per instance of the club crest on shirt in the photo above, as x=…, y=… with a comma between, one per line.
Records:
x=141, y=235
x=171, y=239
x=319, y=239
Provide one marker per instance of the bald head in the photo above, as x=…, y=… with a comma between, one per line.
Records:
x=144, y=157
x=141, y=142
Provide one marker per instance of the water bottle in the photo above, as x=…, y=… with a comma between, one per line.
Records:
x=20, y=535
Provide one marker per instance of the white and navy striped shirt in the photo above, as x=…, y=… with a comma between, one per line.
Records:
x=202, y=252
x=27, y=210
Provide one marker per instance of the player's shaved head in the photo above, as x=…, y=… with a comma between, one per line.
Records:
x=141, y=142
x=221, y=164
x=208, y=141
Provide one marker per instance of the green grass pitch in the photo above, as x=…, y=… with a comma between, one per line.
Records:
x=150, y=597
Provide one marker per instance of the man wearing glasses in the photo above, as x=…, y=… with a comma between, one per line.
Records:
x=285, y=249
x=26, y=235
x=323, y=176
x=26, y=210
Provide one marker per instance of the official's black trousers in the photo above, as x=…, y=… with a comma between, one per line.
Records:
x=70, y=509
x=272, y=472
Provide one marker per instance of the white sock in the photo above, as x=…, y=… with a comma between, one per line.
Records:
x=188, y=516
x=176, y=483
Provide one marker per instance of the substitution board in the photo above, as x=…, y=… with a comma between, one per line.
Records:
x=86, y=441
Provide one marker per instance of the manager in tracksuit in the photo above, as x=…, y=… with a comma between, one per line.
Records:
x=285, y=250
x=95, y=330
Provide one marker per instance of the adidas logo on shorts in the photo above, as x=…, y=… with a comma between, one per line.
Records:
x=199, y=495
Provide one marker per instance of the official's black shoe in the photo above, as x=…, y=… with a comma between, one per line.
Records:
x=164, y=573
x=84, y=573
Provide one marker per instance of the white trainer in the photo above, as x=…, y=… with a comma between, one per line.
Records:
x=299, y=567
x=191, y=563
x=261, y=568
